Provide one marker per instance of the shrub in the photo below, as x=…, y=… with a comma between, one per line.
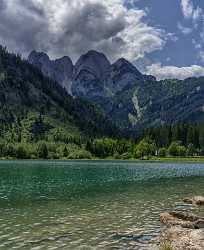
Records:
x=175, y=149
x=42, y=150
x=126, y=156
x=162, y=152
x=80, y=154
x=144, y=149
x=21, y=152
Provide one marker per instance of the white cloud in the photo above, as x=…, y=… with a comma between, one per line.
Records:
x=71, y=27
x=172, y=72
x=190, y=11
x=196, y=44
x=201, y=56
x=183, y=29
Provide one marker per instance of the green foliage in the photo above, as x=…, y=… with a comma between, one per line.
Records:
x=144, y=149
x=42, y=150
x=108, y=147
x=191, y=150
x=176, y=149
x=162, y=152
x=80, y=154
x=21, y=152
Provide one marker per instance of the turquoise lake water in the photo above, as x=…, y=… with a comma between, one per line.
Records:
x=90, y=204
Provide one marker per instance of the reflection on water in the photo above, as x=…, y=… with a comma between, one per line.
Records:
x=90, y=205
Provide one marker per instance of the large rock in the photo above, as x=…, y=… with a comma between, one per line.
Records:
x=196, y=200
x=179, y=239
x=183, y=219
x=184, y=231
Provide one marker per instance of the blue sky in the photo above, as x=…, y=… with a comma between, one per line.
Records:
x=161, y=37
x=169, y=16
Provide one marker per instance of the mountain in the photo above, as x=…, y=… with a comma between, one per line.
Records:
x=60, y=70
x=35, y=104
x=133, y=100
x=91, y=75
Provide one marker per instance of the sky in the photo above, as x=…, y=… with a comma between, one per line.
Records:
x=164, y=38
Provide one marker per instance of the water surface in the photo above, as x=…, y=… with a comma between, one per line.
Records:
x=90, y=204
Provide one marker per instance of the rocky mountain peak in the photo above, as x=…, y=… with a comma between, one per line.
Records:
x=38, y=57
x=60, y=70
x=94, y=62
x=124, y=66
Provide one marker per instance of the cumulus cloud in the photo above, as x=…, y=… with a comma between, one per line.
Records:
x=172, y=72
x=67, y=27
x=190, y=11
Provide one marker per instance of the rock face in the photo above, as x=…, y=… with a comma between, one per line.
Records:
x=129, y=98
x=91, y=76
x=124, y=75
x=60, y=70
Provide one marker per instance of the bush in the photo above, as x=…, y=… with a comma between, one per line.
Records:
x=181, y=151
x=126, y=156
x=42, y=151
x=80, y=154
x=175, y=149
x=21, y=152
x=191, y=150
x=162, y=152
x=145, y=148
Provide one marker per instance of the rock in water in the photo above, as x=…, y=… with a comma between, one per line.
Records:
x=196, y=200
x=182, y=219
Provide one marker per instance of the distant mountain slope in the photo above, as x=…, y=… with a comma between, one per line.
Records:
x=60, y=70
x=25, y=90
x=131, y=99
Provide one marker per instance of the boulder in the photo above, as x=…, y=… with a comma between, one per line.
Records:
x=196, y=200
x=182, y=219
x=183, y=239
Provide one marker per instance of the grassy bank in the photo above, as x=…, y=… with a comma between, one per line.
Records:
x=178, y=159
x=151, y=159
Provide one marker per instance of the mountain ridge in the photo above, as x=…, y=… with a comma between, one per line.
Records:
x=133, y=100
x=25, y=90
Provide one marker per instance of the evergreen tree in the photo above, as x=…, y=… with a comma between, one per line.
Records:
x=42, y=150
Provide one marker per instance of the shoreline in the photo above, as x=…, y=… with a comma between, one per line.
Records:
x=151, y=159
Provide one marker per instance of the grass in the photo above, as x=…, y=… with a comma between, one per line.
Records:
x=179, y=159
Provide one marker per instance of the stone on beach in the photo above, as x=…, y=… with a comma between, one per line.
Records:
x=184, y=239
x=185, y=231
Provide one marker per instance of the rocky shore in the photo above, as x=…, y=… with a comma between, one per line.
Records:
x=184, y=231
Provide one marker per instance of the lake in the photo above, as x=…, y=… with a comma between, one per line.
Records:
x=90, y=204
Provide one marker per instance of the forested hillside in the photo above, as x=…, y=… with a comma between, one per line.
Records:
x=34, y=108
